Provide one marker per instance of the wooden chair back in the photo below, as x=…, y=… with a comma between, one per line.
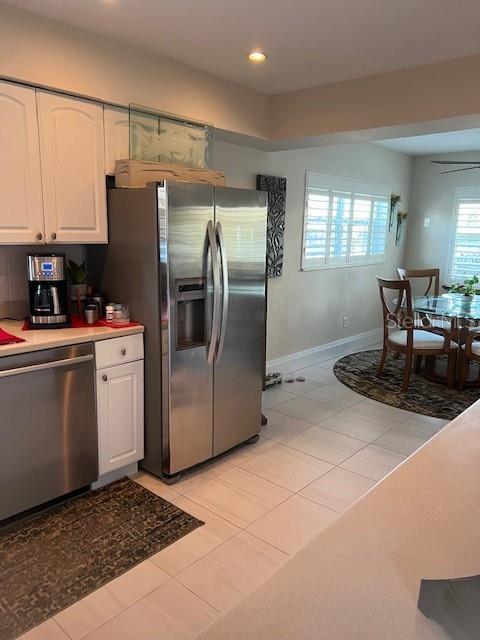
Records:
x=399, y=313
x=433, y=275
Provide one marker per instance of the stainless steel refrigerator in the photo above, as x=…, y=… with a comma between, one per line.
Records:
x=190, y=261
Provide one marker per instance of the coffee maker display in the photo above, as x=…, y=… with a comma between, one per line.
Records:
x=48, y=291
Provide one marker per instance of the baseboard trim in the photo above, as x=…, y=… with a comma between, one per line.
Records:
x=334, y=349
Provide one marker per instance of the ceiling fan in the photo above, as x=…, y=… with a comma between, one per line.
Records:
x=450, y=162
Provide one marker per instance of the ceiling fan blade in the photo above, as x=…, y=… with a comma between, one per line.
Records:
x=464, y=169
x=455, y=162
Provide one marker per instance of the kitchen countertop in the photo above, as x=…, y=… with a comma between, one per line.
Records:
x=360, y=578
x=38, y=339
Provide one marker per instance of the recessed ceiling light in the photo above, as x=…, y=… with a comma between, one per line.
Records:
x=257, y=56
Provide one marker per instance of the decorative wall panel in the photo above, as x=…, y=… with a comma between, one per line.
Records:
x=276, y=189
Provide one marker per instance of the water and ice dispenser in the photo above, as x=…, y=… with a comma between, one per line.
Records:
x=190, y=312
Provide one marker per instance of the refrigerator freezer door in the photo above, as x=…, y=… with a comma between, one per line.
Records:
x=241, y=219
x=185, y=272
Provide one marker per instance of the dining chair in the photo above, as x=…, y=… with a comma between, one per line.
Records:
x=432, y=289
x=401, y=336
x=433, y=275
x=470, y=352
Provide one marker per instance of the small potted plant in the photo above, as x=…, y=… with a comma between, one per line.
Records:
x=469, y=287
x=77, y=277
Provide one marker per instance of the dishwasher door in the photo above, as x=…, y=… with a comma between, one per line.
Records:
x=48, y=427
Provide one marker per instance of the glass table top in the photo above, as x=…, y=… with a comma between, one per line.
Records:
x=450, y=305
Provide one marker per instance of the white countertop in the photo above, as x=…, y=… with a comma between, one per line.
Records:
x=360, y=578
x=38, y=339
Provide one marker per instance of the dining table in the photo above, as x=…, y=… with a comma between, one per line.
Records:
x=456, y=310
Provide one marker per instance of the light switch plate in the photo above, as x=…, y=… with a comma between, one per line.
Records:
x=426, y=222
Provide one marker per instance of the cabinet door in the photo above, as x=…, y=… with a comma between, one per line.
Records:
x=21, y=209
x=72, y=152
x=116, y=137
x=120, y=415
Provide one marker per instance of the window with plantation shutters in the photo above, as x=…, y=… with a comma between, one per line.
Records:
x=345, y=222
x=465, y=259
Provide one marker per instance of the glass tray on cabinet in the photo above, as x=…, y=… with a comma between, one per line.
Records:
x=156, y=137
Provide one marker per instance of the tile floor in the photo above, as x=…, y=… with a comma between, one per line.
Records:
x=323, y=448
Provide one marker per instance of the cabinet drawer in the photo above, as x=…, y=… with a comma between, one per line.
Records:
x=118, y=350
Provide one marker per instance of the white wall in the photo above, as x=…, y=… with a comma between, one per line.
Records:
x=41, y=51
x=240, y=164
x=432, y=196
x=305, y=309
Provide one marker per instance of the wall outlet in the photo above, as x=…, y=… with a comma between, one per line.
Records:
x=345, y=321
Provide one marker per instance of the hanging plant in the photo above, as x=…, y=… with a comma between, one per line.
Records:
x=395, y=198
x=401, y=223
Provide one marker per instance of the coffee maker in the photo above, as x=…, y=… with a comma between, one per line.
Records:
x=48, y=291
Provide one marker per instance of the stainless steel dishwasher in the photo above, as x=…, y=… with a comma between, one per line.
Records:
x=48, y=427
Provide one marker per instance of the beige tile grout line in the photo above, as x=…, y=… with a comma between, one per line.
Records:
x=170, y=578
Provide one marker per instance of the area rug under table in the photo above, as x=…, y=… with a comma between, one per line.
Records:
x=359, y=372
x=57, y=557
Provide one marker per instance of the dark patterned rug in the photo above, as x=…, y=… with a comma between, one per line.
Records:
x=57, y=557
x=359, y=372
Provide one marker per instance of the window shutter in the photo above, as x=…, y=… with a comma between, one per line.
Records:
x=466, y=250
x=316, y=227
x=343, y=227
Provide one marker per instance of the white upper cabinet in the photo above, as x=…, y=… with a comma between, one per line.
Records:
x=73, y=169
x=21, y=209
x=116, y=137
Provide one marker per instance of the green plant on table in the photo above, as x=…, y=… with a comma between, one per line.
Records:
x=77, y=273
x=468, y=288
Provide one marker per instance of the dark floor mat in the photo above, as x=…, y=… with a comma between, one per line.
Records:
x=59, y=556
x=359, y=372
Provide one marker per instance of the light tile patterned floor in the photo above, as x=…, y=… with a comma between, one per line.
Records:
x=323, y=448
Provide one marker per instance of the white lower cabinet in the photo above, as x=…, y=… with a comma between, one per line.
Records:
x=120, y=414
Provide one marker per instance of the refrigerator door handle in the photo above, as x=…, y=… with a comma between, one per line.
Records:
x=224, y=264
x=212, y=247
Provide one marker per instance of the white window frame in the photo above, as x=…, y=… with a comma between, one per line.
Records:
x=346, y=186
x=461, y=193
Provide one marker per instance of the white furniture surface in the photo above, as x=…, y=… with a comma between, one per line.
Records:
x=120, y=405
x=21, y=209
x=37, y=339
x=52, y=165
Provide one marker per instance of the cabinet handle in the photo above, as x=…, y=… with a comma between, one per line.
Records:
x=123, y=352
x=104, y=377
x=39, y=236
x=54, y=236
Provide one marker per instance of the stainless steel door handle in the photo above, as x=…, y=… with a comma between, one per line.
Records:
x=56, y=304
x=225, y=292
x=45, y=365
x=212, y=247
